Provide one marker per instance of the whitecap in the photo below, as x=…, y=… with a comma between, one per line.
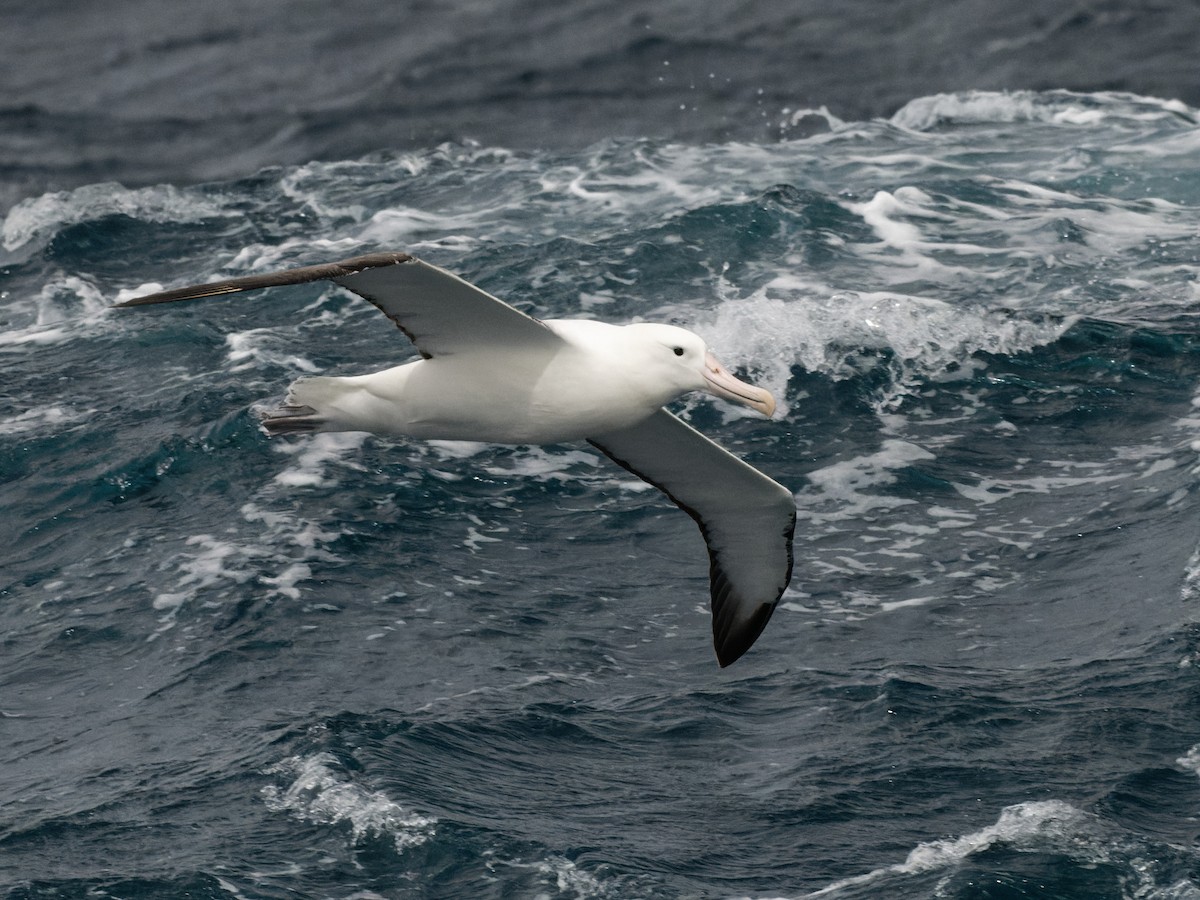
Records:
x=320, y=794
x=65, y=308
x=38, y=218
x=1190, y=760
x=795, y=320
x=1044, y=825
x=1059, y=107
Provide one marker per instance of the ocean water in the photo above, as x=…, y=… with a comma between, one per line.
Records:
x=343, y=666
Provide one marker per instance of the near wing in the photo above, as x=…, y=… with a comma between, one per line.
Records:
x=746, y=518
x=439, y=312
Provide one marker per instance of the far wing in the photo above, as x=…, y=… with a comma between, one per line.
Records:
x=437, y=310
x=746, y=518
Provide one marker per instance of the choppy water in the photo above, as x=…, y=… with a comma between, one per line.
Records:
x=351, y=667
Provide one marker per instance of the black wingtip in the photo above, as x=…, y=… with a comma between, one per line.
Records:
x=735, y=630
x=301, y=275
x=732, y=639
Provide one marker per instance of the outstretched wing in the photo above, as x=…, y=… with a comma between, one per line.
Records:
x=440, y=313
x=746, y=518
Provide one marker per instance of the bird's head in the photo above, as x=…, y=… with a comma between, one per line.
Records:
x=677, y=357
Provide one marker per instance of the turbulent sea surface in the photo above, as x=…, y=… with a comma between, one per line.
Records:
x=350, y=667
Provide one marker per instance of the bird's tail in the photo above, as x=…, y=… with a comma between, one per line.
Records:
x=310, y=406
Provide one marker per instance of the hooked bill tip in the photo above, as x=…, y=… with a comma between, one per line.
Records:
x=722, y=383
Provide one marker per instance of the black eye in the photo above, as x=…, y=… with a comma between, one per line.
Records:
x=678, y=351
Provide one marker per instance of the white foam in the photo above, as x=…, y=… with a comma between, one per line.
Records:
x=892, y=605
x=902, y=243
x=1049, y=827
x=457, y=449
x=146, y=287
x=258, y=347
x=476, y=538
x=562, y=876
x=1190, y=760
x=64, y=309
x=965, y=108
x=993, y=490
x=1190, y=590
x=568, y=879
x=1180, y=890
x=277, y=553
x=795, y=320
x=286, y=529
x=43, y=418
x=305, y=185
x=1059, y=107
x=792, y=118
x=285, y=583
x=37, y=218
x=289, y=252
x=1112, y=225
x=401, y=226
x=1046, y=825
x=314, y=457
x=216, y=561
x=543, y=464
x=663, y=180
x=324, y=796
x=851, y=484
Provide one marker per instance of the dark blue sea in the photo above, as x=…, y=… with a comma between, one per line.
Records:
x=343, y=666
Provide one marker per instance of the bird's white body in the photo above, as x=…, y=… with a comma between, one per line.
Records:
x=598, y=378
x=601, y=378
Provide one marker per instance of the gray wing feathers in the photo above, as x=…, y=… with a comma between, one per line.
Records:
x=747, y=520
x=443, y=314
x=437, y=310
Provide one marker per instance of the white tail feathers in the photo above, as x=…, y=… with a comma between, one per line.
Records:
x=308, y=407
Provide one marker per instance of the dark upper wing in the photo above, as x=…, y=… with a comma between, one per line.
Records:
x=438, y=311
x=746, y=518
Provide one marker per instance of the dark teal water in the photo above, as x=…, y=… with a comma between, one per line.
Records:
x=351, y=667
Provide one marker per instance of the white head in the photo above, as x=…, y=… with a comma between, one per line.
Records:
x=678, y=358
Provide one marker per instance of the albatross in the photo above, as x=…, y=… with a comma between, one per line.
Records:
x=491, y=373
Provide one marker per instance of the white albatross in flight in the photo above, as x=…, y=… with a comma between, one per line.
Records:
x=491, y=373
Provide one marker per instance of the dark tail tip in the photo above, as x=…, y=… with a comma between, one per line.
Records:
x=291, y=420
